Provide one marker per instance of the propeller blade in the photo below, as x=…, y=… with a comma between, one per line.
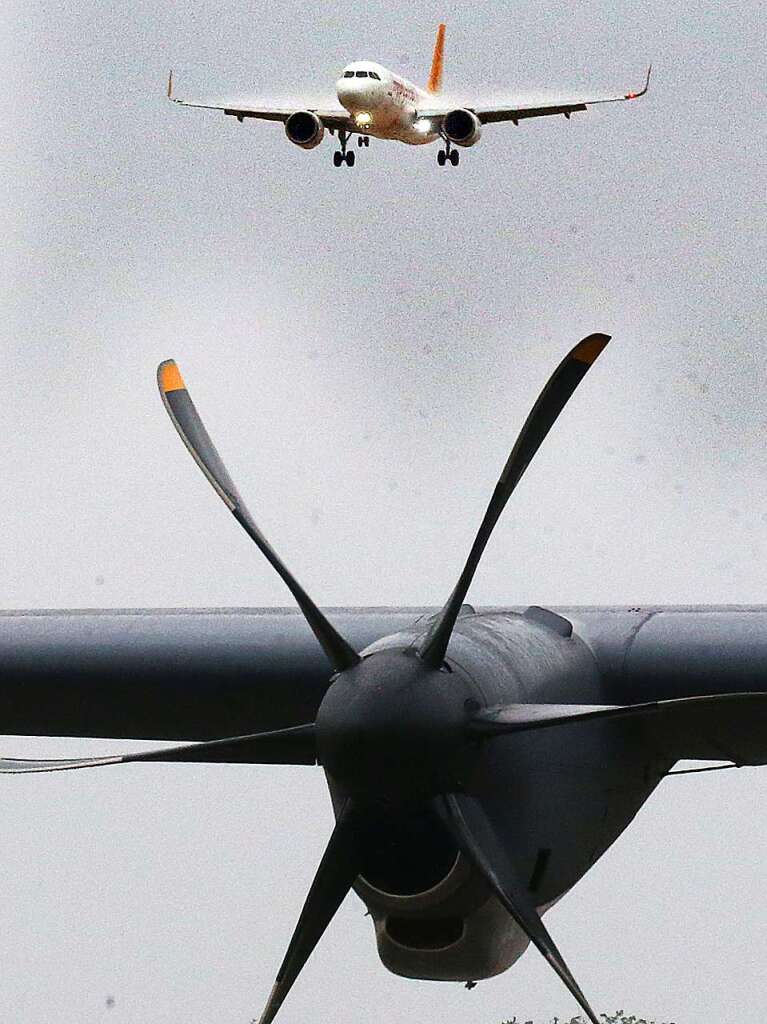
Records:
x=505, y=718
x=475, y=837
x=338, y=869
x=717, y=727
x=550, y=404
x=281, y=746
x=191, y=429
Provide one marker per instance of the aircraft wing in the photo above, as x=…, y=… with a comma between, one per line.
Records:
x=515, y=113
x=332, y=119
x=196, y=674
x=177, y=675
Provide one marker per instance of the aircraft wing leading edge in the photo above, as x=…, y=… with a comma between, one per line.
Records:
x=332, y=119
x=494, y=113
x=195, y=674
x=175, y=675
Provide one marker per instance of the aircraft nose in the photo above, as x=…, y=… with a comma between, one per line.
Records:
x=344, y=88
x=357, y=94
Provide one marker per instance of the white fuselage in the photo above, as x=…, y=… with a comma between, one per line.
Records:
x=384, y=105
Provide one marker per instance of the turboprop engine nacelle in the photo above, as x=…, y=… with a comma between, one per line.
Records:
x=462, y=127
x=434, y=917
x=305, y=129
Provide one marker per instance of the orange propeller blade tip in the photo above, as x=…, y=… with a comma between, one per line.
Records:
x=169, y=377
x=591, y=348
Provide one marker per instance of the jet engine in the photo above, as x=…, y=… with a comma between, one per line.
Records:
x=462, y=127
x=305, y=129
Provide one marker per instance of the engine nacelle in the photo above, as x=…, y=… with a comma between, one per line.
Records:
x=454, y=931
x=462, y=127
x=434, y=916
x=305, y=129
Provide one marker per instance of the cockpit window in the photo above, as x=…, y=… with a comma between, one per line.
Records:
x=348, y=74
x=374, y=74
x=361, y=74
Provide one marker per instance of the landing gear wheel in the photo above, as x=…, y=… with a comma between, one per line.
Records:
x=361, y=140
x=441, y=157
x=455, y=156
x=341, y=156
x=367, y=140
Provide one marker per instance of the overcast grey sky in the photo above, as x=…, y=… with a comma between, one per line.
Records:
x=363, y=345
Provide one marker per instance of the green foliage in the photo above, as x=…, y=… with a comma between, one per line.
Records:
x=619, y=1017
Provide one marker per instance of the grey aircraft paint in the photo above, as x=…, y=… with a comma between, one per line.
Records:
x=202, y=673
x=557, y=797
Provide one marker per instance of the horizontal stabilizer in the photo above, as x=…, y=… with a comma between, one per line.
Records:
x=723, y=727
x=283, y=746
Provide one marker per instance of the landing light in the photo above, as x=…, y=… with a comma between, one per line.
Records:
x=423, y=126
x=363, y=119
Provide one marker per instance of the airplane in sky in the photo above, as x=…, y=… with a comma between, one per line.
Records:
x=375, y=102
x=479, y=762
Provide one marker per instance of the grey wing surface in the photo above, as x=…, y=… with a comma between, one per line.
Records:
x=494, y=113
x=195, y=674
x=332, y=119
x=174, y=675
x=677, y=656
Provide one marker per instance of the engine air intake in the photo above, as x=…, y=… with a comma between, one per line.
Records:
x=305, y=129
x=408, y=854
x=462, y=127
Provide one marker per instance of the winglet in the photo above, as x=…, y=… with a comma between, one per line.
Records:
x=170, y=84
x=434, y=84
x=636, y=95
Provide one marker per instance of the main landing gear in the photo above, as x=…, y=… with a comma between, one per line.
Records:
x=343, y=156
x=448, y=154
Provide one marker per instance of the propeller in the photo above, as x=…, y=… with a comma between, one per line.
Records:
x=550, y=404
x=191, y=429
x=463, y=817
x=392, y=729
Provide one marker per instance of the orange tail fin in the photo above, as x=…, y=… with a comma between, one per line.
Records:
x=435, y=78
